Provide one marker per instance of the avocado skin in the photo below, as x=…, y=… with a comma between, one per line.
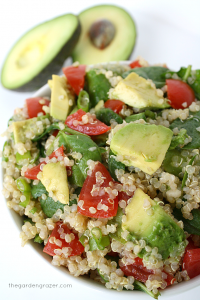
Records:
x=54, y=66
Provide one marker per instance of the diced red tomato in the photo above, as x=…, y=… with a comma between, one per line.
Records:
x=93, y=198
x=94, y=128
x=34, y=107
x=113, y=254
x=76, y=247
x=137, y=270
x=141, y=273
x=33, y=172
x=135, y=64
x=75, y=77
x=191, y=262
x=55, y=133
x=179, y=93
x=115, y=105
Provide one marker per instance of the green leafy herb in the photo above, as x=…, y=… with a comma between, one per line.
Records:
x=105, y=115
x=178, y=140
x=191, y=226
x=155, y=73
x=38, y=190
x=49, y=206
x=141, y=287
x=114, y=165
x=38, y=239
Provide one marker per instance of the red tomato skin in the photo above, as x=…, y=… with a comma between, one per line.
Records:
x=75, y=77
x=34, y=107
x=115, y=105
x=92, y=201
x=179, y=92
x=123, y=196
x=135, y=64
x=191, y=262
x=77, y=247
x=90, y=129
x=191, y=245
x=137, y=270
x=33, y=172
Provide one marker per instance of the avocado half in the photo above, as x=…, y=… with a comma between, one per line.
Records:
x=39, y=53
x=121, y=46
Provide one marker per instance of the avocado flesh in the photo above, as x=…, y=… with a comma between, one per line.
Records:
x=54, y=178
x=60, y=97
x=158, y=229
x=39, y=53
x=120, y=47
x=142, y=145
x=138, y=92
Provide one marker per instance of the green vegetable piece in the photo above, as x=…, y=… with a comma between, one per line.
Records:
x=84, y=240
x=23, y=185
x=173, y=162
x=117, y=220
x=114, y=165
x=190, y=125
x=178, y=140
x=155, y=73
x=5, y=158
x=196, y=84
x=28, y=198
x=38, y=239
x=38, y=190
x=96, y=234
x=26, y=219
x=150, y=114
x=49, y=206
x=97, y=86
x=191, y=226
x=135, y=117
x=19, y=157
x=105, y=115
x=33, y=210
x=83, y=101
x=186, y=173
x=49, y=129
x=105, y=241
x=100, y=139
x=141, y=287
x=80, y=144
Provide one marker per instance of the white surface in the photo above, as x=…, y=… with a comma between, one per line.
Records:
x=168, y=31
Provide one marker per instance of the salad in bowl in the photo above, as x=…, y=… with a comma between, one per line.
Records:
x=103, y=166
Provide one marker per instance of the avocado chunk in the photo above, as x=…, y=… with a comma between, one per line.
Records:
x=54, y=178
x=20, y=128
x=108, y=33
x=39, y=53
x=60, y=98
x=138, y=92
x=146, y=219
x=141, y=145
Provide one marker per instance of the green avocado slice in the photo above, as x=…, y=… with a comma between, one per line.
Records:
x=120, y=46
x=39, y=53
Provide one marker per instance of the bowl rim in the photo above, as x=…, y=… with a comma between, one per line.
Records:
x=173, y=290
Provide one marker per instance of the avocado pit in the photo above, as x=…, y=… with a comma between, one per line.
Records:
x=101, y=33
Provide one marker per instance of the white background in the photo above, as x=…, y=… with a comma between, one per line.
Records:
x=168, y=31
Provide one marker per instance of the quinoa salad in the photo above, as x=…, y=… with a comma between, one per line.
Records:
x=105, y=173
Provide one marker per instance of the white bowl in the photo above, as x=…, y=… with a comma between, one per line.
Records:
x=83, y=280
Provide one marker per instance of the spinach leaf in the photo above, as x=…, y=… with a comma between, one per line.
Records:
x=135, y=117
x=171, y=166
x=100, y=139
x=178, y=140
x=97, y=86
x=155, y=73
x=38, y=190
x=105, y=115
x=191, y=226
x=113, y=165
x=190, y=125
x=49, y=206
x=46, y=131
x=80, y=144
